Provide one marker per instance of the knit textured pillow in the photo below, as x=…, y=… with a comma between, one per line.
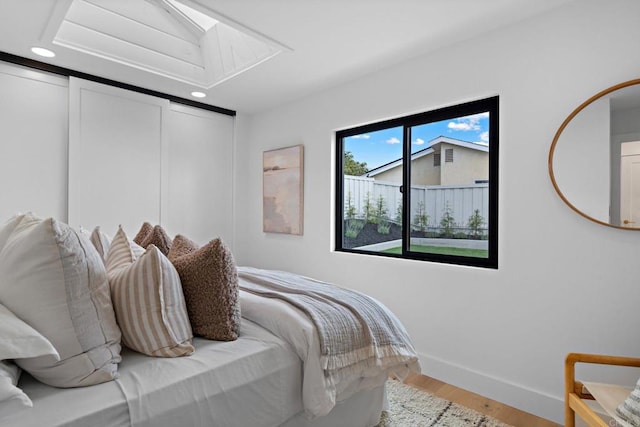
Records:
x=157, y=237
x=210, y=285
x=148, y=300
x=181, y=246
x=143, y=233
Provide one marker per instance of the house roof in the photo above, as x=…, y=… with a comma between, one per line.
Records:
x=428, y=150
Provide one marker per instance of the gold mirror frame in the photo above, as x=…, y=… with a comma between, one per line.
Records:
x=557, y=137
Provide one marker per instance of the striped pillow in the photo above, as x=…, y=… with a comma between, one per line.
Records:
x=629, y=411
x=148, y=300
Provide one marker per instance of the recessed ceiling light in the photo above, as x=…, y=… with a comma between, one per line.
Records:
x=198, y=94
x=43, y=52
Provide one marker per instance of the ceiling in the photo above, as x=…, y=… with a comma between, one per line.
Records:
x=290, y=48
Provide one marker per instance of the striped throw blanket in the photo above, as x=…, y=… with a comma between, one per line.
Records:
x=356, y=332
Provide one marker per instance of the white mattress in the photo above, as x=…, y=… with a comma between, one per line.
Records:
x=254, y=381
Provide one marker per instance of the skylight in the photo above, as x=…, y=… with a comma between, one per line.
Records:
x=164, y=37
x=205, y=22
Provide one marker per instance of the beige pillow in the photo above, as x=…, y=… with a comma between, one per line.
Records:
x=143, y=232
x=157, y=237
x=148, y=300
x=53, y=279
x=210, y=285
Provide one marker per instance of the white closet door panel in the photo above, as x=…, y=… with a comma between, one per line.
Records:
x=115, y=146
x=200, y=171
x=33, y=148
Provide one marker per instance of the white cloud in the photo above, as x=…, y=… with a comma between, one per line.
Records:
x=478, y=116
x=468, y=123
x=463, y=126
x=363, y=136
x=419, y=141
x=484, y=136
x=393, y=140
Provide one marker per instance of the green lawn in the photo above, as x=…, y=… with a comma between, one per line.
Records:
x=478, y=253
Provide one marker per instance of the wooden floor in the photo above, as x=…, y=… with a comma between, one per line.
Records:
x=497, y=410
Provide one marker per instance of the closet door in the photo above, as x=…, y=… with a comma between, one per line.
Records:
x=116, y=141
x=33, y=147
x=199, y=200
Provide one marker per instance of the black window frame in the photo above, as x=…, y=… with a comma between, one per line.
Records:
x=491, y=105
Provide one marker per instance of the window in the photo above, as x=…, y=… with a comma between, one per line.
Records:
x=448, y=155
x=395, y=198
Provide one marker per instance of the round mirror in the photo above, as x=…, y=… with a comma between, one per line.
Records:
x=594, y=160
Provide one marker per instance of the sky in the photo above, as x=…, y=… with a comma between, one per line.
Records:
x=384, y=146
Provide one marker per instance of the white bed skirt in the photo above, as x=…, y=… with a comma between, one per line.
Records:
x=362, y=409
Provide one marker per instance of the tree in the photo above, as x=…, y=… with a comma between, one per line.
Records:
x=351, y=209
x=369, y=210
x=421, y=219
x=475, y=223
x=352, y=166
x=447, y=222
x=380, y=210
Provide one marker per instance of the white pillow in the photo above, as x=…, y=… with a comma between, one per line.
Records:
x=101, y=242
x=7, y=228
x=19, y=340
x=148, y=300
x=12, y=398
x=52, y=277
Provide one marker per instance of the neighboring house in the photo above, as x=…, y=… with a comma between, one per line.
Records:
x=445, y=161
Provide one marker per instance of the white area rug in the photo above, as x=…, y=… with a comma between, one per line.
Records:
x=412, y=407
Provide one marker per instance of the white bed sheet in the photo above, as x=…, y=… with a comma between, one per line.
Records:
x=98, y=405
x=253, y=381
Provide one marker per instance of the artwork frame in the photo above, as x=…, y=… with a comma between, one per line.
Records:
x=283, y=190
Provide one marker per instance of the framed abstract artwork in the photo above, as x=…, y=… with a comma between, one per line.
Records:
x=282, y=190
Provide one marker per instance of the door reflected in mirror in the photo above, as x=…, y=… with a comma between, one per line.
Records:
x=594, y=160
x=629, y=183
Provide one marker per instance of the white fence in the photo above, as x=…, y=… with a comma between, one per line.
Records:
x=462, y=200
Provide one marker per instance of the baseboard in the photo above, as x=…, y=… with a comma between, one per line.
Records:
x=520, y=397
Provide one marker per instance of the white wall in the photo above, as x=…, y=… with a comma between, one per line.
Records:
x=564, y=283
x=33, y=145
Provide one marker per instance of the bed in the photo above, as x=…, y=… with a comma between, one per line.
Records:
x=304, y=352
x=253, y=381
